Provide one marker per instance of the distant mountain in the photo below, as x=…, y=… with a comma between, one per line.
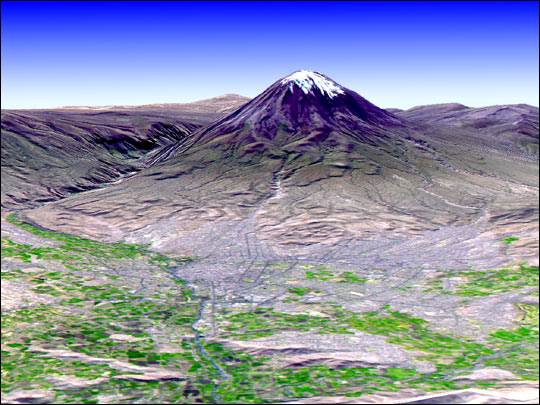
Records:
x=226, y=103
x=433, y=109
x=306, y=163
x=202, y=111
x=516, y=123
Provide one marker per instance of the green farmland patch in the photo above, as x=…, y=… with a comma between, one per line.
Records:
x=325, y=275
x=488, y=282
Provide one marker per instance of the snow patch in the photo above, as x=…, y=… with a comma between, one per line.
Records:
x=306, y=80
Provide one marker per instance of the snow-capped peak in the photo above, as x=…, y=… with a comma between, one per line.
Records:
x=306, y=79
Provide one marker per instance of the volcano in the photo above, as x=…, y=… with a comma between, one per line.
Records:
x=305, y=164
x=308, y=115
x=301, y=113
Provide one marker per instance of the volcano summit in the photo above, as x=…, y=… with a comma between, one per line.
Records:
x=309, y=81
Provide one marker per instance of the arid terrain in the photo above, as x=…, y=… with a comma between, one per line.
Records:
x=305, y=246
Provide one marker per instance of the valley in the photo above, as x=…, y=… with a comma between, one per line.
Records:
x=304, y=247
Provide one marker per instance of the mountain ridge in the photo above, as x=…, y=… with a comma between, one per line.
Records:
x=229, y=98
x=516, y=124
x=344, y=169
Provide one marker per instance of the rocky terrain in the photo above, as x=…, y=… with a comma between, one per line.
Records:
x=517, y=123
x=306, y=246
x=50, y=154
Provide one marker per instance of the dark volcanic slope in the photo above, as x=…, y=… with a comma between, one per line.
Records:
x=46, y=155
x=517, y=123
x=307, y=163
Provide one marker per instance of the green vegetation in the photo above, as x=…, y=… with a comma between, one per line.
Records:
x=448, y=352
x=302, y=291
x=518, y=347
x=101, y=313
x=266, y=322
x=508, y=241
x=83, y=323
x=349, y=277
x=79, y=253
x=91, y=306
x=322, y=275
x=478, y=283
x=530, y=316
x=254, y=380
x=325, y=275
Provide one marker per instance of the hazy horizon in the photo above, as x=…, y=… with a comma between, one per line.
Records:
x=397, y=55
x=97, y=106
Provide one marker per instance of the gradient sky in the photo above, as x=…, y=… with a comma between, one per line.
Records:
x=395, y=54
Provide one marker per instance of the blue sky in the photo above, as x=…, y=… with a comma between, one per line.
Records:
x=396, y=54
